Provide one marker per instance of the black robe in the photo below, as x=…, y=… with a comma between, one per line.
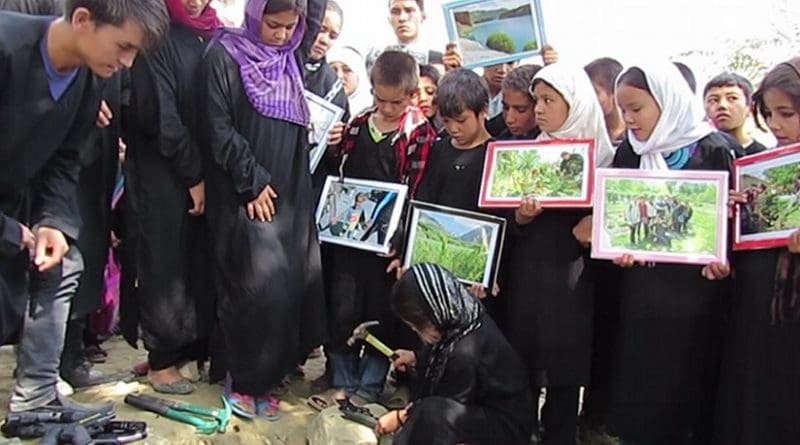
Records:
x=668, y=343
x=175, y=291
x=491, y=402
x=271, y=304
x=759, y=388
x=37, y=184
x=453, y=176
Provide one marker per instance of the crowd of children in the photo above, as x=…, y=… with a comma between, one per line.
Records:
x=219, y=245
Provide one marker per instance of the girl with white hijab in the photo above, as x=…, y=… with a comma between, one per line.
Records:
x=666, y=361
x=349, y=66
x=550, y=287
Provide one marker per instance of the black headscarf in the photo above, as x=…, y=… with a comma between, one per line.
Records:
x=456, y=313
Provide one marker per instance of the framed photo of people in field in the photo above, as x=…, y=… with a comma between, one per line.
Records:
x=359, y=213
x=324, y=115
x=557, y=173
x=463, y=242
x=771, y=182
x=490, y=32
x=661, y=216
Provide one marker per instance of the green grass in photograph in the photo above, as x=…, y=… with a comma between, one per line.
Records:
x=465, y=258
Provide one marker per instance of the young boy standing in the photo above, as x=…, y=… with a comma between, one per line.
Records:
x=389, y=142
x=49, y=101
x=726, y=98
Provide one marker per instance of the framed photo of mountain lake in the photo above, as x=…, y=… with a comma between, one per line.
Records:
x=490, y=32
x=672, y=216
x=359, y=213
x=465, y=243
x=771, y=183
x=557, y=173
x=324, y=115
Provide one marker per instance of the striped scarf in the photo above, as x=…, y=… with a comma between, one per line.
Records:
x=456, y=313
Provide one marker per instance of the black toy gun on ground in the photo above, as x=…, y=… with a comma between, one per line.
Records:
x=57, y=425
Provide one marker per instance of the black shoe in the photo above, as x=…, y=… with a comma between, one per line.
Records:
x=83, y=376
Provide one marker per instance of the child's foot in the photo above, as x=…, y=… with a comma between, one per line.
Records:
x=170, y=381
x=268, y=408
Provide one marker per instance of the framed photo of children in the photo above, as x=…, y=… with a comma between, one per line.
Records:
x=324, y=115
x=490, y=32
x=557, y=173
x=661, y=216
x=771, y=182
x=466, y=243
x=359, y=213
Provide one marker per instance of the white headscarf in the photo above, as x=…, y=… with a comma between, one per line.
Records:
x=361, y=98
x=682, y=120
x=585, y=118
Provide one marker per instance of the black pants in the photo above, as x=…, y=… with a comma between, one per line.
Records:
x=443, y=421
x=560, y=415
x=74, y=353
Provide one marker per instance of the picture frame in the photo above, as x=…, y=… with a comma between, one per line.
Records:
x=771, y=180
x=670, y=216
x=323, y=115
x=490, y=32
x=359, y=213
x=559, y=174
x=469, y=244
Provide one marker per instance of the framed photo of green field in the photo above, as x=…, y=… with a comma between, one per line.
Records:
x=359, y=213
x=324, y=115
x=672, y=216
x=490, y=32
x=771, y=182
x=558, y=173
x=466, y=243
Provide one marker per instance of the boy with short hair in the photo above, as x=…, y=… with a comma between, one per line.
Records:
x=406, y=18
x=388, y=142
x=603, y=73
x=49, y=101
x=726, y=99
x=518, y=120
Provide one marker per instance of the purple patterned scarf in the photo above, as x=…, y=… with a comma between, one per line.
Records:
x=271, y=75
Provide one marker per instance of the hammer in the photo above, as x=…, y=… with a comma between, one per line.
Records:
x=361, y=333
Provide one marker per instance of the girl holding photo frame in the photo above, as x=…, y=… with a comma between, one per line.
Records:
x=549, y=319
x=670, y=315
x=759, y=385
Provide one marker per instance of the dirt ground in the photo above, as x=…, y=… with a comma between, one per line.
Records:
x=289, y=430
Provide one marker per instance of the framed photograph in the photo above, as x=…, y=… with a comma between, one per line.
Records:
x=661, y=216
x=466, y=243
x=359, y=213
x=324, y=115
x=558, y=173
x=771, y=180
x=490, y=32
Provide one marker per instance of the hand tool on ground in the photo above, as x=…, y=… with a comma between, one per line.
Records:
x=57, y=425
x=206, y=420
x=361, y=332
x=357, y=414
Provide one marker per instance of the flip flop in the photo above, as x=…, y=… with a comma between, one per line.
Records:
x=318, y=403
x=182, y=387
x=268, y=409
x=241, y=404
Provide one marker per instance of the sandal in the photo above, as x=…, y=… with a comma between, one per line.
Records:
x=241, y=404
x=268, y=409
x=318, y=403
x=182, y=387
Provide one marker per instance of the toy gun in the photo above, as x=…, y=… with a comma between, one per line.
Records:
x=56, y=426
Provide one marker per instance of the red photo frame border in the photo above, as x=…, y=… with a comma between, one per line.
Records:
x=484, y=201
x=764, y=243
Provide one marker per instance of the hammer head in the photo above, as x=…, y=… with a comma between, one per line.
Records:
x=361, y=331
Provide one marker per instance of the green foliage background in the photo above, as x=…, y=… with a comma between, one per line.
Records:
x=519, y=173
x=435, y=245
x=500, y=41
x=778, y=208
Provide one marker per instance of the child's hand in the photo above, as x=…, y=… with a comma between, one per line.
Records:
x=549, y=55
x=716, y=271
x=452, y=58
x=263, y=207
x=336, y=134
x=404, y=360
x=625, y=261
x=735, y=198
x=583, y=231
x=392, y=253
x=390, y=422
x=529, y=209
x=478, y=290
x=396, y=266
x=794, y=242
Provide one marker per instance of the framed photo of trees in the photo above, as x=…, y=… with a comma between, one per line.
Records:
x=771, y=183
x=490, y=32
x=661, y=216
x=557, y=173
